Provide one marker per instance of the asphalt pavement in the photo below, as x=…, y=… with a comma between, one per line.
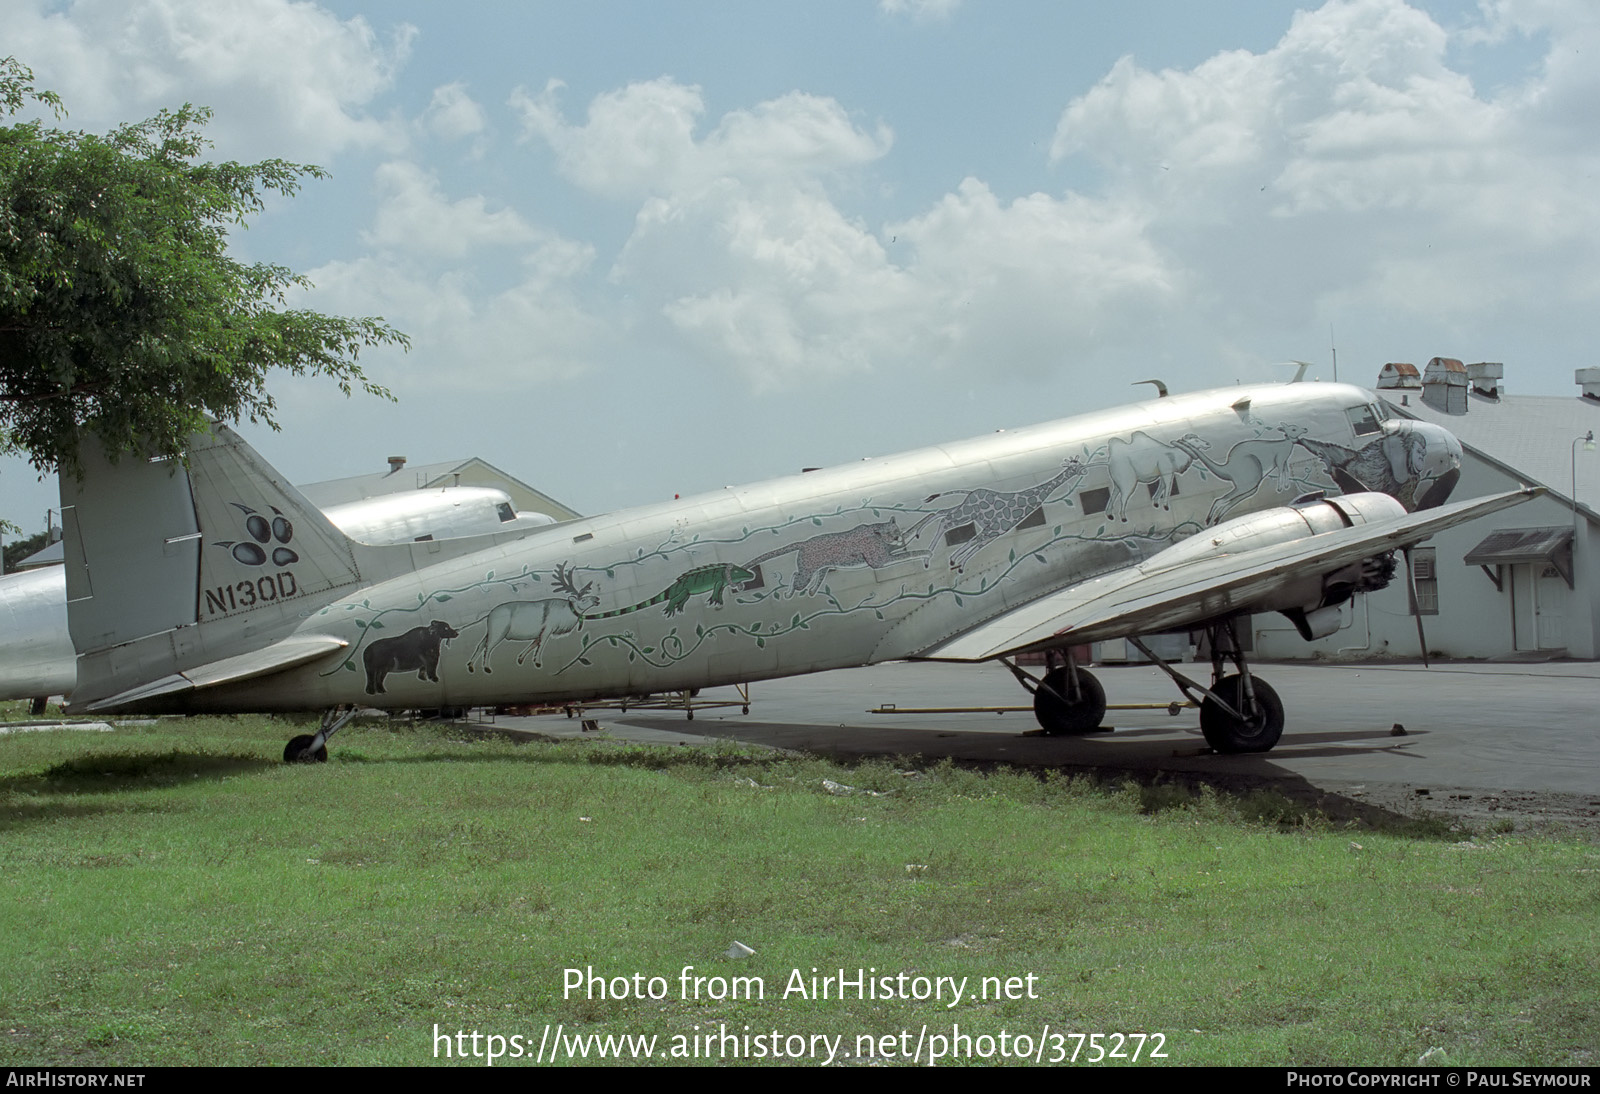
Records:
x=1465, y=729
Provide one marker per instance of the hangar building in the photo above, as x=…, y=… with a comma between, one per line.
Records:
x=1522, y=582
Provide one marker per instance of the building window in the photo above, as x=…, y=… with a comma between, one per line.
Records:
x=1425, y=573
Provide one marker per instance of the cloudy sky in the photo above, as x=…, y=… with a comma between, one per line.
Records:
x=648, y=248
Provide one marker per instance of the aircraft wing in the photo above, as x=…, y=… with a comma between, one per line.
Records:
x=294, y=650
x=1151, y=597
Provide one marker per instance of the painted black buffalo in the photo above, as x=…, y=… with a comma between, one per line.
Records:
x=417, y=649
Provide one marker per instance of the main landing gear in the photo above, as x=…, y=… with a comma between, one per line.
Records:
x=1238, y=712
x=1068, y=701
x=313, y=748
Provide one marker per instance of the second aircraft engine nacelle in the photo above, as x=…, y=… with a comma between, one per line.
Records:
x=1311, y=603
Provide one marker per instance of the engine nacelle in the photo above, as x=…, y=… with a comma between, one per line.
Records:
x=1312, y=602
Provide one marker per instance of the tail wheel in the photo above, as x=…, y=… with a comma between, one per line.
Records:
x=1258, y=731
x=1059, y=717
x=295, y=752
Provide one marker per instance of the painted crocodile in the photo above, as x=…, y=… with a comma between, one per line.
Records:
x=713, y=579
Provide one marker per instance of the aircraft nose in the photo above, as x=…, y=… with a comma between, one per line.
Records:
x=1432, y=463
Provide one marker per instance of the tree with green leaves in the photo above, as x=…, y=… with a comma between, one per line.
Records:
x=122, y=315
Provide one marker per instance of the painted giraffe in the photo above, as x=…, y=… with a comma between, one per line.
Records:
x=993, y=513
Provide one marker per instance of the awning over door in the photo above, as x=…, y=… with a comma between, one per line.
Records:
x=1549, y=546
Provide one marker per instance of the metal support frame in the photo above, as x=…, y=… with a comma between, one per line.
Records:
x=1216, y=632
x=332, y=722
x=1033, y=684
x=686, y=701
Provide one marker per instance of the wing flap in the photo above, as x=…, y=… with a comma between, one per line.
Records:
x=1139, y=601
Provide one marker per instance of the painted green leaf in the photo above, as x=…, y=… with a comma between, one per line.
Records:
x=1100, y=531
x=366, y=604
x=699, y=631
x=761, y=643
x=1013, y=555
x=612, y=639
x=958, y=601
x=1038, y=556
x=795, y=622
x=361, y=624
x=442, y=597
x=649, y=649
x=489, y=576
x=351, y=665
x=611, y=573
x=584, y=661
x=877, y=613
x=1058, y=529
x=419, y=598
x=630, y=657
x=375, y=625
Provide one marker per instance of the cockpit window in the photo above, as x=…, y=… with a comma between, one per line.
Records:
x=506, y=512
x=1363, y=419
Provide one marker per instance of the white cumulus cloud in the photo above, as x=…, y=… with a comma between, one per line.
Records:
x=285, y=79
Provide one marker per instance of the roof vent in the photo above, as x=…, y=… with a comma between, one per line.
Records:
x=1444, y=385
x=1485, y=377
x=1588, y=379
x=1399, y=374
x=396, y=463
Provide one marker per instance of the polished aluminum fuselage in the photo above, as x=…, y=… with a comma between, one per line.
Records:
x=872, y=561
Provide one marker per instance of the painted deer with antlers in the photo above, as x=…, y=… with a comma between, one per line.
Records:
x=534, y=621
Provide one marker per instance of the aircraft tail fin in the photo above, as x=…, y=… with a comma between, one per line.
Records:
x=169, y=568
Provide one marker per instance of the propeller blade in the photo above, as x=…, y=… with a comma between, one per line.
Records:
x=1411, y=587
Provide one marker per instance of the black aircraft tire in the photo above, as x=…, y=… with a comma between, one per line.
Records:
x=295, y=751
x=1225, y=733
x=1062, y=719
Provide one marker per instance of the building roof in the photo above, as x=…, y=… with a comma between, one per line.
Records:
x=52, y=554
x=1529, y=435
x=470, y=471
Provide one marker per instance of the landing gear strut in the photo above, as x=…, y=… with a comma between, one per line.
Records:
x=1068, y=701
x=313, y=748
x=1238, y=712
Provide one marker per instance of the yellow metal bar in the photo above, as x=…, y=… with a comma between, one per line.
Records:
x=890, y=708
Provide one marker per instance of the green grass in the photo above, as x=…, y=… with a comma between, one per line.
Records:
x=173, y=894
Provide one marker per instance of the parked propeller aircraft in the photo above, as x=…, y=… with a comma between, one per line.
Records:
x=37, y=659
x=218, y=589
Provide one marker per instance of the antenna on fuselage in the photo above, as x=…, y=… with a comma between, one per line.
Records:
x=1161, y=388
x=1300, y=372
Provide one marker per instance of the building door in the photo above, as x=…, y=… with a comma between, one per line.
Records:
x=1524, y=627
x=1551, y=608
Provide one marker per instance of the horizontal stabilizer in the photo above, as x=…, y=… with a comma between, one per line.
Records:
x=292, y=651
x=1155, y=597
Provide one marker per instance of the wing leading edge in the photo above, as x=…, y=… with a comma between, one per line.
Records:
x=1155, y=596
